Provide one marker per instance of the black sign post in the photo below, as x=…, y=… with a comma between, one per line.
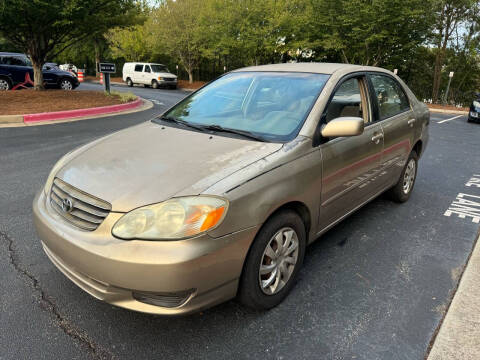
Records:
x=106, y=69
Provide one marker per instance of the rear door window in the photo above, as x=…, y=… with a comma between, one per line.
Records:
x=391, y=98
x=147, y=69
x=139, y=68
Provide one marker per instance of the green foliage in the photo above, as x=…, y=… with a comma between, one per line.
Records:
x=423, y=39
x=44, y=28
x=123, y=96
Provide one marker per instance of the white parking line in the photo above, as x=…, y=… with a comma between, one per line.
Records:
x=453, y=118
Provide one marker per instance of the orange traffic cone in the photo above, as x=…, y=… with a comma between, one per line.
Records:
x=101, y=78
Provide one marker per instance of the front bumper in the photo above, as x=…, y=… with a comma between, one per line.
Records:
x=114, y=270
x=172, y=83
x=474, y=116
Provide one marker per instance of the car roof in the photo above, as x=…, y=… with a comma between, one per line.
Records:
x=310, y=67
x=12, y=53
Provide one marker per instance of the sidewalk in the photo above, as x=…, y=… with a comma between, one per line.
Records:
x=459, y=335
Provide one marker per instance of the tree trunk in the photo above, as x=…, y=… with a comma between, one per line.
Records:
x=437, y=73
x=37, y=75
x=190, y=76
x=96, y=46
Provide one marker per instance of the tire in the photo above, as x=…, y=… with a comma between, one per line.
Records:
x=66, y=84
x=129, y=82
x=403, y=189
x=155, y=84
x=251, y=293
x=5, y=84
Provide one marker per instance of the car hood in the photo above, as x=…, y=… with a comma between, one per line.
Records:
x=150, y=163
x=165, y=74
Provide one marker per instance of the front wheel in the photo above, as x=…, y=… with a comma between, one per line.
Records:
x=273, y=262
x=5, y=84
x=155, y=84
x=66, y=84
x=402, y=190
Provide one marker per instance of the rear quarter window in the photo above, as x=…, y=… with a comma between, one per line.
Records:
x=390, y=96
x=139, y=68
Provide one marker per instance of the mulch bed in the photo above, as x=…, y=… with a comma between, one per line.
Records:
x=185, y=85
x=31, y=102
x=447, y=107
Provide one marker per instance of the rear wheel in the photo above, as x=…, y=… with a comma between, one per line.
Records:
x=5, y=84
x=402, y=190
x=273, y=262
x=66, y=84
x=129, y=82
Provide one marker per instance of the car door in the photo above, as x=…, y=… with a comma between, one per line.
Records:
x=147, y=75
x=397, y=118
x=138, y=74
x=17, y=68
x=350, y=165
x=49, y=76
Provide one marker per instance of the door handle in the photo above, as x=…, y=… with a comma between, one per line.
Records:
x=410, y=122
x=376, y=138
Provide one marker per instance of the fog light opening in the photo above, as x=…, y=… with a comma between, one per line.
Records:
x=168, y=300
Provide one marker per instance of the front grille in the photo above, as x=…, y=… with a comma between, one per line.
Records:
x=169, y=79
x=78, y=208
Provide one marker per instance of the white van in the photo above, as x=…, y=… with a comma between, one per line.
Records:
x=148, y=74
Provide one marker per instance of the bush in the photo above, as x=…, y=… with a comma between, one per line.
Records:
x=124, y=96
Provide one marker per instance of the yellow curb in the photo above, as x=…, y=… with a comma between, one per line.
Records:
x=11, y=119
x=447, y=111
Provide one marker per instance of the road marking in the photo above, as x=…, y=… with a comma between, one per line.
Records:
x=453, y=118
x=155, y=101
x=466, y=205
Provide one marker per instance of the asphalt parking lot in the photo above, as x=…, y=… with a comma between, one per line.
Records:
x=376, y=286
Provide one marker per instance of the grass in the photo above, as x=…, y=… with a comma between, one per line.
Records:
x=123, y=96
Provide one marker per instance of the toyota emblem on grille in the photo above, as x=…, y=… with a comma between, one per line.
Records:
x=67, y=205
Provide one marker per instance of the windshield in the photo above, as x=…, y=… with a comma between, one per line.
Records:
x=271, y=105
x=159, y=68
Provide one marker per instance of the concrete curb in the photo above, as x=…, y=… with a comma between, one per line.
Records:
x=11, y=119
x=460, y=330
x=445, y=111
x=141, y=106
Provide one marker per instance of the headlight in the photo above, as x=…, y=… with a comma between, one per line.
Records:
x=160, y=78
x=476, y=104
x=173, y=219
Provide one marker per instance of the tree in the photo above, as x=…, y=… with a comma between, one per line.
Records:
x=367, y=32
x=179, y=29
x=450, y=14
x=43, y=29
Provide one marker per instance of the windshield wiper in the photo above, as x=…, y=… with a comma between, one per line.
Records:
x=181, y=122
x=243, y=133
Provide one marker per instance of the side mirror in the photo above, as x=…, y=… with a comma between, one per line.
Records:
x=343, y=126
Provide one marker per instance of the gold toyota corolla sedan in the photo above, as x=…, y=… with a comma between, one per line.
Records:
x=219, y=197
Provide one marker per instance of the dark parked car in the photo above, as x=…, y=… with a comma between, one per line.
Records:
x=474, y=113
x=14, y=68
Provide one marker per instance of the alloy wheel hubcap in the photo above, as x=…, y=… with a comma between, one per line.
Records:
x=66, y=85
x=4, y=85
x=278, y=261
x=409, y=176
